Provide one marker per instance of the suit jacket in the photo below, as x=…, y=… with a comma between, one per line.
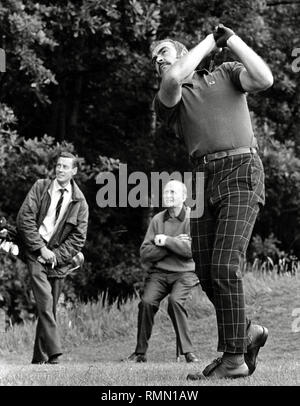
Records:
x=70, y=235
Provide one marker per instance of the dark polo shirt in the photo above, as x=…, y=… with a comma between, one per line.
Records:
x=212, y=114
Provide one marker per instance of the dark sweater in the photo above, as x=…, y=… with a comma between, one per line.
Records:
x=176, y=255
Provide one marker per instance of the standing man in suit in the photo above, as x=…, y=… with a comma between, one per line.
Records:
x=52, y=225
x=209, y=110
x=167, y=248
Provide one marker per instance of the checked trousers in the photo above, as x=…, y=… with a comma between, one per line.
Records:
x=233, y=193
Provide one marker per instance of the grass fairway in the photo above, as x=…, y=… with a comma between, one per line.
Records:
x=94, y=348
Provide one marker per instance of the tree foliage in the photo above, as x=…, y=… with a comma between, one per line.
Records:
x=79, y=77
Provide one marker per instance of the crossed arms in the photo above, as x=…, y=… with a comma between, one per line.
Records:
x=156, y=245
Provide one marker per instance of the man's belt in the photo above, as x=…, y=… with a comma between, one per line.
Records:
x=222, y=154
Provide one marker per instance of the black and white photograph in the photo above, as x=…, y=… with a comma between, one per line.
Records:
x=150, y=197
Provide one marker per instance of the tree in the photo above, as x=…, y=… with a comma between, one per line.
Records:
x=78, y=74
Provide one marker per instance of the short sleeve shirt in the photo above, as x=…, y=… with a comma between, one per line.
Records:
x=212, y=114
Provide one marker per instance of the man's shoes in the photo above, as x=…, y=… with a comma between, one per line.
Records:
x=136, y=358
x=218, y=369
x=191, y=357
x=54, y=359
x=258, y=336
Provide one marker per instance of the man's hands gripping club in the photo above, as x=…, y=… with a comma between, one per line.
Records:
x=222, y=35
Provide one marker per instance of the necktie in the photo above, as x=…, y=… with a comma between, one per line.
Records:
x=59, y=203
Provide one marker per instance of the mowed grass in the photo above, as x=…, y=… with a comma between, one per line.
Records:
x=96, y=339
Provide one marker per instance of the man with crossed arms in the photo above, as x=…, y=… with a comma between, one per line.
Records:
x=167, y=250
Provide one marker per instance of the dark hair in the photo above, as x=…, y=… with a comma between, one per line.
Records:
x=66, y=154
x=179, y=46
